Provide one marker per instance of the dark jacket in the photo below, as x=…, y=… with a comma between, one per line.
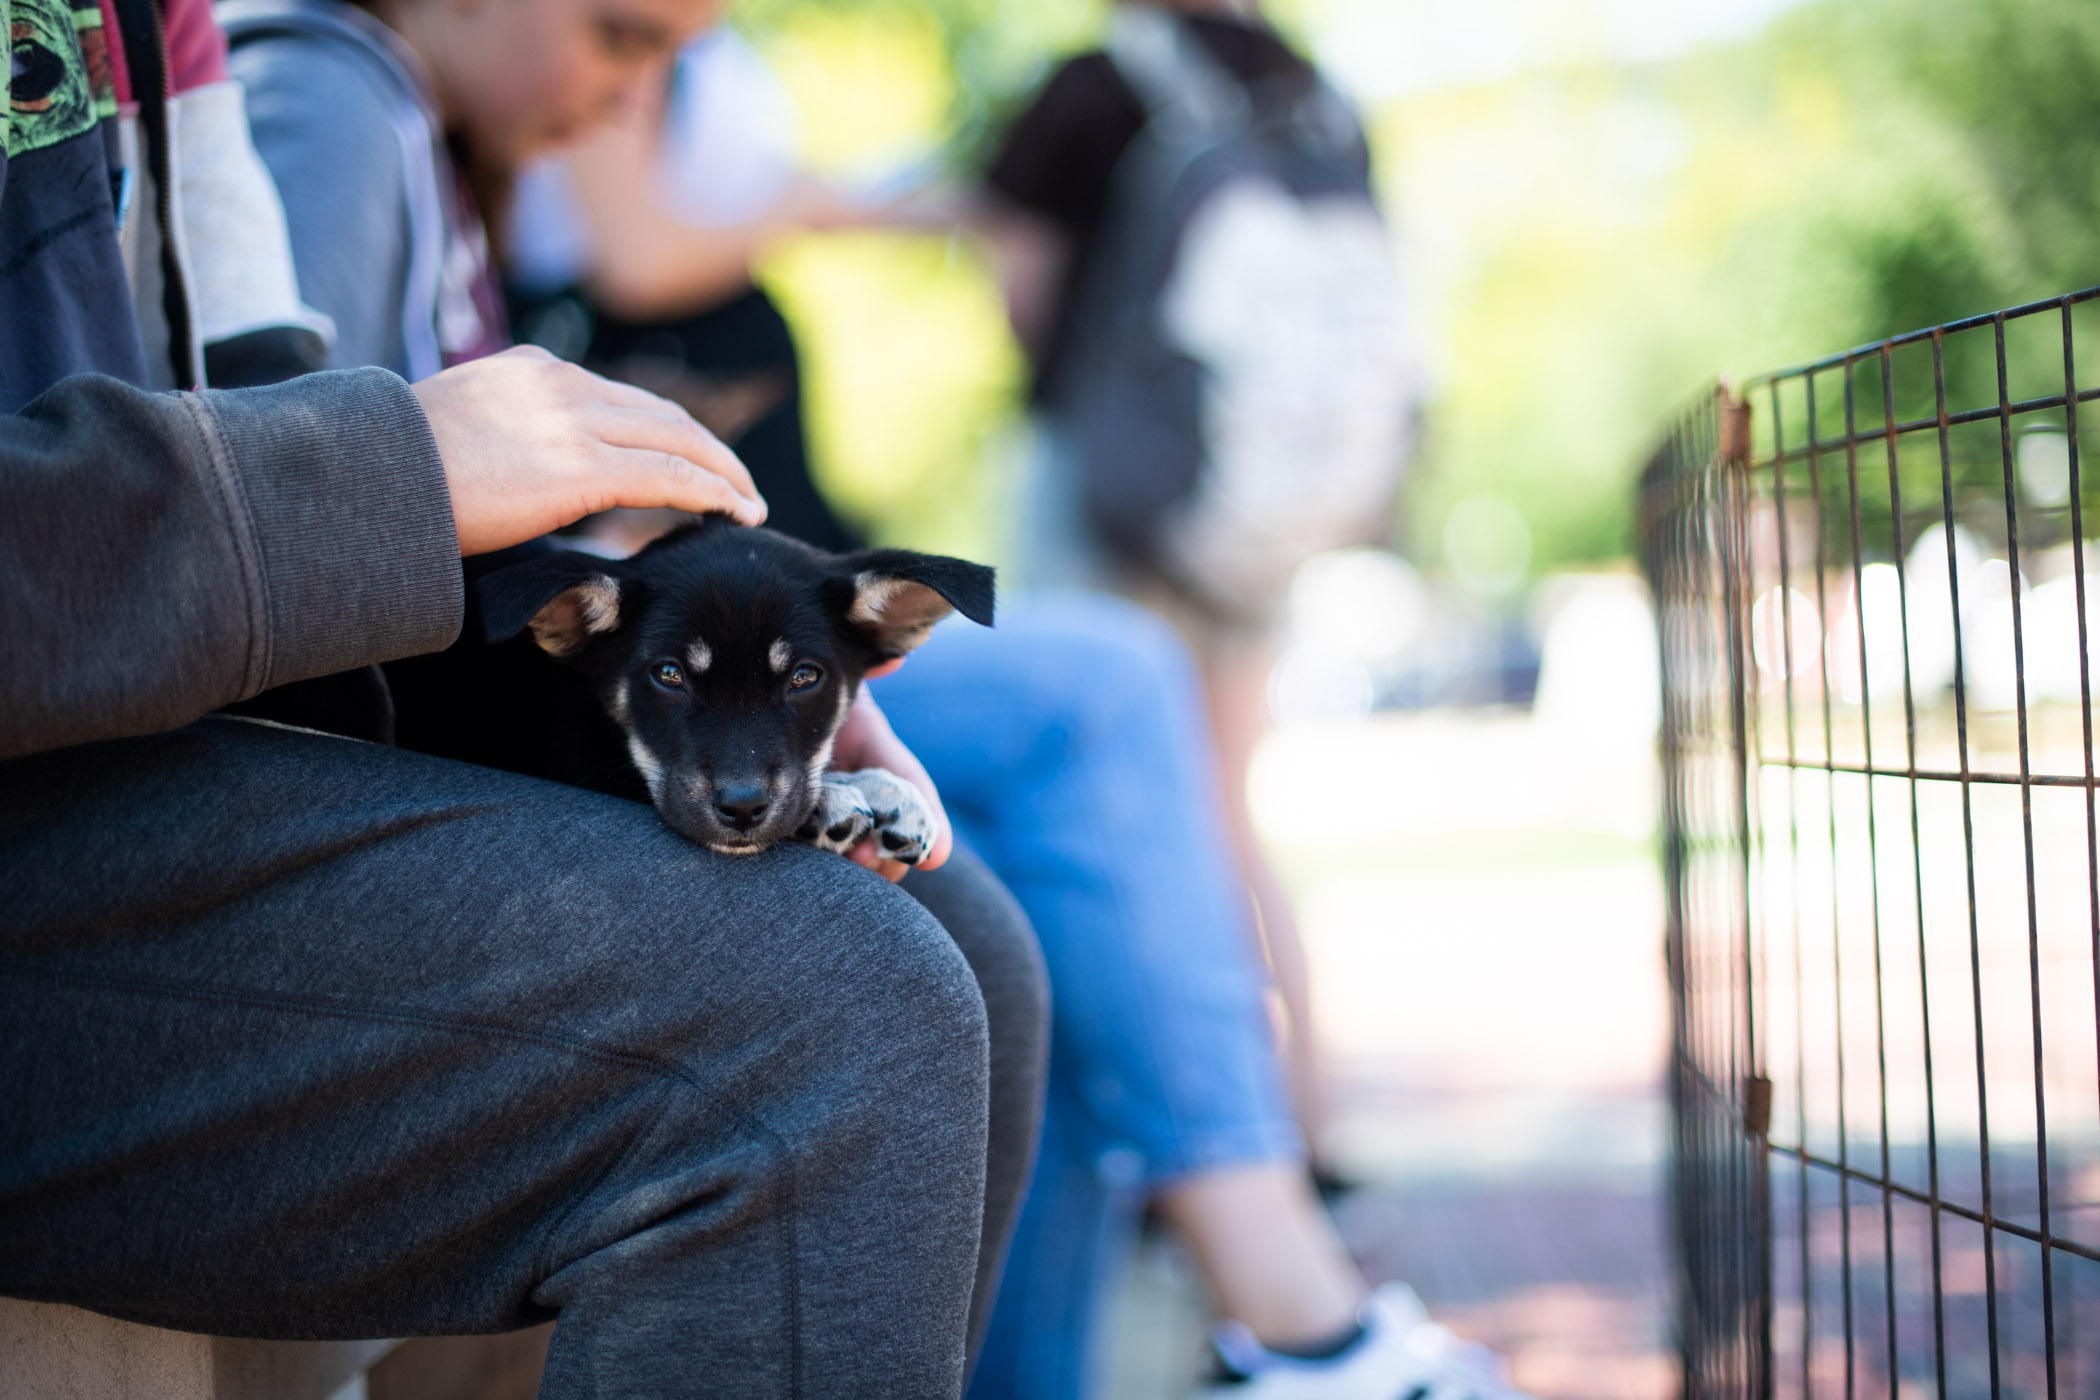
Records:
x=162, y=555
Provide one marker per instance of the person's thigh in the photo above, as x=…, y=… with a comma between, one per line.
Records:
x=308, y=1037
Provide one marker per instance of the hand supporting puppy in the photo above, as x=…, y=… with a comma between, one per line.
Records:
x=866, y=742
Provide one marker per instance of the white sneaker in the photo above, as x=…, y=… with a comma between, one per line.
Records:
x=1402, y=1355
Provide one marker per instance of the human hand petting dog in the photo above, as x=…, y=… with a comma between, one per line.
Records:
x=866, y=740
x=531, y=443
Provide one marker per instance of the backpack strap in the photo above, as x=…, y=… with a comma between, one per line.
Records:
x=1190, y=97
x=416, y=127
x=1186, y=94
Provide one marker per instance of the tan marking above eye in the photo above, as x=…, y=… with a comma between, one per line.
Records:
x=780, y=654
x=699, y=656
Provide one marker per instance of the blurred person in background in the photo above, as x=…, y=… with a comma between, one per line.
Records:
x=1069, y=746
x=1223, y=383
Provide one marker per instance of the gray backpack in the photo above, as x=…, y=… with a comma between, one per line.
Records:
x=1241, y=379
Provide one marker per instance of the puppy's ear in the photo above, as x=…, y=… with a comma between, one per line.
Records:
x=897, y=595
x=565, y=598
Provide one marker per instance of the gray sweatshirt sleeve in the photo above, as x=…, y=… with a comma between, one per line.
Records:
x=162, y=555
x=322, y=122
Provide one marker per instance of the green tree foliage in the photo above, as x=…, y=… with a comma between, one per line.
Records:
x=1863, y=168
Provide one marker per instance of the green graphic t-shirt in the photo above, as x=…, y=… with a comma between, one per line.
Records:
x=58, y=82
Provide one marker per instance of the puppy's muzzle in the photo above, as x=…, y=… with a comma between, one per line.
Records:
x=735, y=814
x=741, y=807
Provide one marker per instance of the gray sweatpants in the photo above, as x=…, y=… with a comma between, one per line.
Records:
x=303, y=1037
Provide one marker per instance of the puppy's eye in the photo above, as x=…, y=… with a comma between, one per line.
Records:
x=668, y=674
x=805, y=678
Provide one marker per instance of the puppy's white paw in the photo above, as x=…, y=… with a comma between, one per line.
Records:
x=842, y=817
x=903, y=819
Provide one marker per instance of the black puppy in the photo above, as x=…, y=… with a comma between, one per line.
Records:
x=729, y=657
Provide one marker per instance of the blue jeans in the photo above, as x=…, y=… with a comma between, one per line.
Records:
x=1069, y=746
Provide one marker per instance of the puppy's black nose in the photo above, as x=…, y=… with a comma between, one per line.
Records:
x=741, y=806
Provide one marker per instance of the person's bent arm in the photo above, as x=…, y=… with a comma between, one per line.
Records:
x=162, y=555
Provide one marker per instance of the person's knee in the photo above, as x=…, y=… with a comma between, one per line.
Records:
x=892, y=1051
x=875, y=970
x=794, y=971
x=880, y=993
x=809, y=1034
x=915, y=988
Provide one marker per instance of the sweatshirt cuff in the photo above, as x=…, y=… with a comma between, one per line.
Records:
x=349, y=517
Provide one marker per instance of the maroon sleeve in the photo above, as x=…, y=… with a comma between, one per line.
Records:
x=1060, y=155
x=196, y=45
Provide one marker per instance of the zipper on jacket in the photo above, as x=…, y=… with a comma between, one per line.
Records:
x=140, y=23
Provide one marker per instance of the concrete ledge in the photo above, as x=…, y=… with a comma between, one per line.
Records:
x=51, y=1352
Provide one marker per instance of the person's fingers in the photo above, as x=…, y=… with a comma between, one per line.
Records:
x=869, y=856
x=646, y=479
x=670, y=429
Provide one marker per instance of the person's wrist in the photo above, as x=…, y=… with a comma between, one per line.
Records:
x=343, y=481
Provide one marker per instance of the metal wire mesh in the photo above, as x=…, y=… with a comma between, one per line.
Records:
x=1872, y=587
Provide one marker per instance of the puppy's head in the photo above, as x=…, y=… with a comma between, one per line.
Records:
x=730, y=657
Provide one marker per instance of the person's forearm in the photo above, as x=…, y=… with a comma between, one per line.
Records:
x=646, y=263
x=162, y=555
x=649, y=268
